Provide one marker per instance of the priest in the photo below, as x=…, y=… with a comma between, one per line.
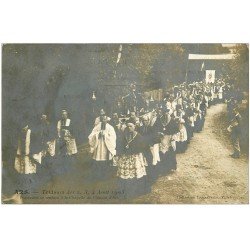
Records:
x=102, y=141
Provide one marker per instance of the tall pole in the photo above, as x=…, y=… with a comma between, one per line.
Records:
x=118, y=59
x=186, y=76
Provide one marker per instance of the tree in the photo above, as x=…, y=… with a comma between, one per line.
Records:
x=150, y=66
x=239, y=67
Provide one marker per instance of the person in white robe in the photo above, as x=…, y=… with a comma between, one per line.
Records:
x=155, y=147
x=220, y=93
x=99, y=118
x=102, y=141
x=26, y=161
x=181, y=137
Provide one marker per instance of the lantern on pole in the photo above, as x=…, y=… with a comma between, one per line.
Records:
x=93, y=96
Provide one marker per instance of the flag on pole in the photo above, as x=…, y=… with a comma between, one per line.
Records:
x=118, y=58
x=202, y=66
x=119, y=54
x=210, y=76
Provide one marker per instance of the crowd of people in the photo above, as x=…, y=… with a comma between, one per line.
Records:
x=139, y=141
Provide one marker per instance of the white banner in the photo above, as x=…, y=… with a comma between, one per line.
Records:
x=211, y=57
x=210, y=76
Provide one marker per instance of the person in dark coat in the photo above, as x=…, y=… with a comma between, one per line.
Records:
x=149, y=139
x=134, y=119
x=131, y=164
x=66, y=137
x=189, y=114
x=231, y=104
x=167, y=128
x=235, y=129
x=115, y=123
x=198, y=124
x=203, y=107
x=47, y=136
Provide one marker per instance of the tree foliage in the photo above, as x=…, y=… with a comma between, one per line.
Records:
x=239, y=67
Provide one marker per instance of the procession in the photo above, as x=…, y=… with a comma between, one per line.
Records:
x=145, y=122
x=136, y=144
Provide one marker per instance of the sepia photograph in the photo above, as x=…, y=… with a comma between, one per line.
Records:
x=112, y=123
x=124, y=124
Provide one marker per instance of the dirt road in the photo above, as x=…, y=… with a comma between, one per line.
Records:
x=206, y=173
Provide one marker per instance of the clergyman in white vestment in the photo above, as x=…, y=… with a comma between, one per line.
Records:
x=102, y=141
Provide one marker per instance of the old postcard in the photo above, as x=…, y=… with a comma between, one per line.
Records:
x=125, y=123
